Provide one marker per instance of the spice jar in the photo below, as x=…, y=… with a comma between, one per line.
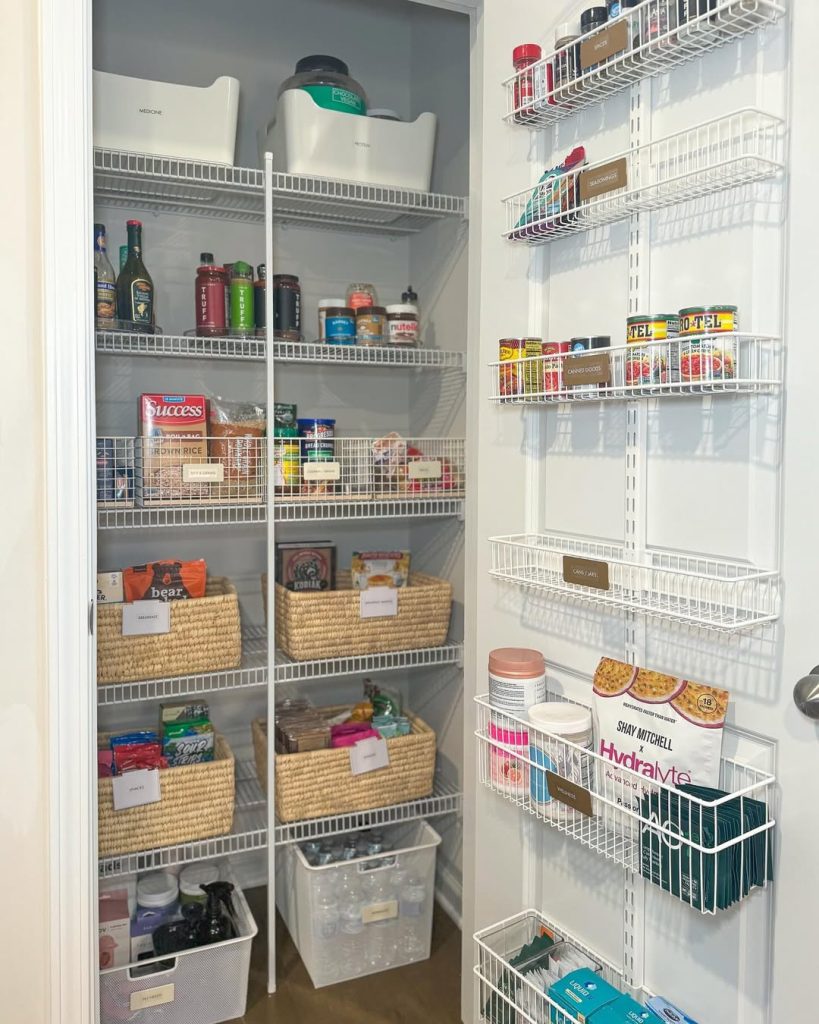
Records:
x=339, y=325
x=402, y=324
x=370, y=325
x=323, y=306
x=567, y=65
x=556, y=725
x=593, y=18
x=361, y=295
x=523, y=91
x=210, y=300
x=286, y=307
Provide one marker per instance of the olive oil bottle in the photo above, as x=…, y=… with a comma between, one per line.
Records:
x=135, y=289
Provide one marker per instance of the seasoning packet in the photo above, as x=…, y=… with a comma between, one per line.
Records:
x=554, y=194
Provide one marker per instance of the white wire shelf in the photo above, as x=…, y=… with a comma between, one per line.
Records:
x=737, y=149
x=253, y=671
x=673, y=839
x=445, y=799
x=712, y=593
x=249, y=833
x=169, y=481
x=650, y=39
x=507, y=995
x=168, y=185
x=184, y=346
x=250, y=826
x=711, y=364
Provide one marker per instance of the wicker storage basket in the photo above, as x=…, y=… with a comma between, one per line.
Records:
x=319, y=782
x=328, y=624
x=205, y=636
x=197, y=803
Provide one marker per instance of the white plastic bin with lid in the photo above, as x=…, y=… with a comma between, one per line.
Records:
x=308, y=139
x=358, y=917
x=206, y=985
x=166, y=119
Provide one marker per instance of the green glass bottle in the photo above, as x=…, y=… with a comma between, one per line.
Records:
x=135, y=289
x=241, y=299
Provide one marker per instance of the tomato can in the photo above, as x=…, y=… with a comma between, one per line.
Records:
x=515, y=380
x=652, y=362
x=553, y=367
x=703, y=358
x=709, y=320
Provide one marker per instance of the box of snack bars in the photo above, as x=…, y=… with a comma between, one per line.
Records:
x=174, y=431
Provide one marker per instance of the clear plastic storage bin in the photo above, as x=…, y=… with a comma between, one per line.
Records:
x=361, y=916
x=198, y=986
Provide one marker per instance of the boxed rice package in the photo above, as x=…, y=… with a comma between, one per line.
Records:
x=665, y=729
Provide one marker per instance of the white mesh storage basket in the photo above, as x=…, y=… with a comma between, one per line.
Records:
x=198, y=986
x=358, y=917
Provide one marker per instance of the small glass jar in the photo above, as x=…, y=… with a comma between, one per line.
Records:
x=361, y=294
x=339, y=325
x=402, y=325
x=323, y=306
x=370, y=325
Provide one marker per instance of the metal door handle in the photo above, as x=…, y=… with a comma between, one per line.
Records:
x=806, y=694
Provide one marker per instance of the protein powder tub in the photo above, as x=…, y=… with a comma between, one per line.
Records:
x=327, y=80
x=561, y=724
x=517, y=679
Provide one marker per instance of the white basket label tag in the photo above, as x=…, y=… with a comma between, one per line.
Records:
x=278, y=475
x=379, y=602
x=142, y=618
x=321, y=470
x=149, y=997
x=424, y=469
x=133, y=789
x=368, y=755
x=379, y=911
x=203, y=473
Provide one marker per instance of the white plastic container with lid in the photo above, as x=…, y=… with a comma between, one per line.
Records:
x=556, y=725
x=192, y=878
x=157, y=890
x=323, y=306
x=517, y=679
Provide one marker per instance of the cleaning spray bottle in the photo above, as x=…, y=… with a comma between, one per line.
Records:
x=220, y=917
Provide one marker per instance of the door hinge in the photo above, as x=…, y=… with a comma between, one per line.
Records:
x=91, y=616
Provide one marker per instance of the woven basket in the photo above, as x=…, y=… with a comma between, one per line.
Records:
x=197, y=803
x=205, y=636
x=328, y=624
x=319, y=782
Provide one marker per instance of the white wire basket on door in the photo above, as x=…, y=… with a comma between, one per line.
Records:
x=712, y=593
x=678, y=841
x=515, y=994
x=737, y=149
x=651, y=38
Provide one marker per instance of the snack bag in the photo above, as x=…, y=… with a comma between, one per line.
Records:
x=165, y=581
x=380, y=569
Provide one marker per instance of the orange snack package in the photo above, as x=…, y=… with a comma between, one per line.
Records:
x=165, y=581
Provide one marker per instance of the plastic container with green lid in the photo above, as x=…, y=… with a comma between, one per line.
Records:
x=192, y=878
x=327, y=80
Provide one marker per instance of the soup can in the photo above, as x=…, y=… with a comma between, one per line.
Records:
x=704, y=358
x=516, y=380
x=709, y=320
x=553, y=367
x=650, y=361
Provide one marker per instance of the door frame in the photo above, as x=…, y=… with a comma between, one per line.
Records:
x=67, y=215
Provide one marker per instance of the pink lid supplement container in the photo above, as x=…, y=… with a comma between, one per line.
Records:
x=517, y=679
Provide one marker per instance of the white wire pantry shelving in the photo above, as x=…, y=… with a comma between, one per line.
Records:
x=185, y=346
x=648, y=39
x=169, y=185
x=250, y=830
x=712, y=593
x=253, y=671
x=712, y=364
x=673, y=839
x=737, y=149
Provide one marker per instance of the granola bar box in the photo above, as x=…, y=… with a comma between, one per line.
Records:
x=656, y=728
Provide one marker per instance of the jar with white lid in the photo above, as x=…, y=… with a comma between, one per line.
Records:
x=191, y=880
x=157, y=890
x=517, y=679
x=402, y=324
x=323, y=306
x=556, y=726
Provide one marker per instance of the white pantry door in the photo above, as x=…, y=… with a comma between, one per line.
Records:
x=734, y=476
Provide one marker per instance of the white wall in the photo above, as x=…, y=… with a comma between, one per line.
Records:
x=24, y=802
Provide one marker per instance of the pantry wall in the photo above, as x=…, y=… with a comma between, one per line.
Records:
x=410, y=58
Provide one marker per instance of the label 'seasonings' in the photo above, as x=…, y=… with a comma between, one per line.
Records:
x=608, y=178
x=586, y=572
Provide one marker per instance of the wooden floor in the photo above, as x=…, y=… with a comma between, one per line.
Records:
x=425, y=993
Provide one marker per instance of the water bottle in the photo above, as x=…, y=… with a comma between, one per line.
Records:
x=351, y=953
x=381, y=938
x=414, y=930
x=325, y=915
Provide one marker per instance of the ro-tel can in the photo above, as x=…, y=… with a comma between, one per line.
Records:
x=241, y=299
x=553, y=367
x=210, y=300
x=652, y=362
x=286, y=307
x=703, y=357
x=339, y=325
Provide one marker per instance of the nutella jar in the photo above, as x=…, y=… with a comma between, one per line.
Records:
x=402, y=325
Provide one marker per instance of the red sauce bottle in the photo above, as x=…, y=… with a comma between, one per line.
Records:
x=211, y=281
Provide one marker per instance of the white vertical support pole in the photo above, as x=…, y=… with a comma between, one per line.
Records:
x=271, y=573
x=635, y=507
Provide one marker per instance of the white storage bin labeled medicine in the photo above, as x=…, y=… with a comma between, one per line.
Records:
x=559, y=729
x=206, y=984
x=166, y=119
x=352, y=912
x=322, y=127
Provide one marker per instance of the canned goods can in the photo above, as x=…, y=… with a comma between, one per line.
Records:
x=317, y=440
x=287, y=464
x=704, y=359
x=518, y=380
x=553, y=368
x=652, y=363
x=708, y=320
